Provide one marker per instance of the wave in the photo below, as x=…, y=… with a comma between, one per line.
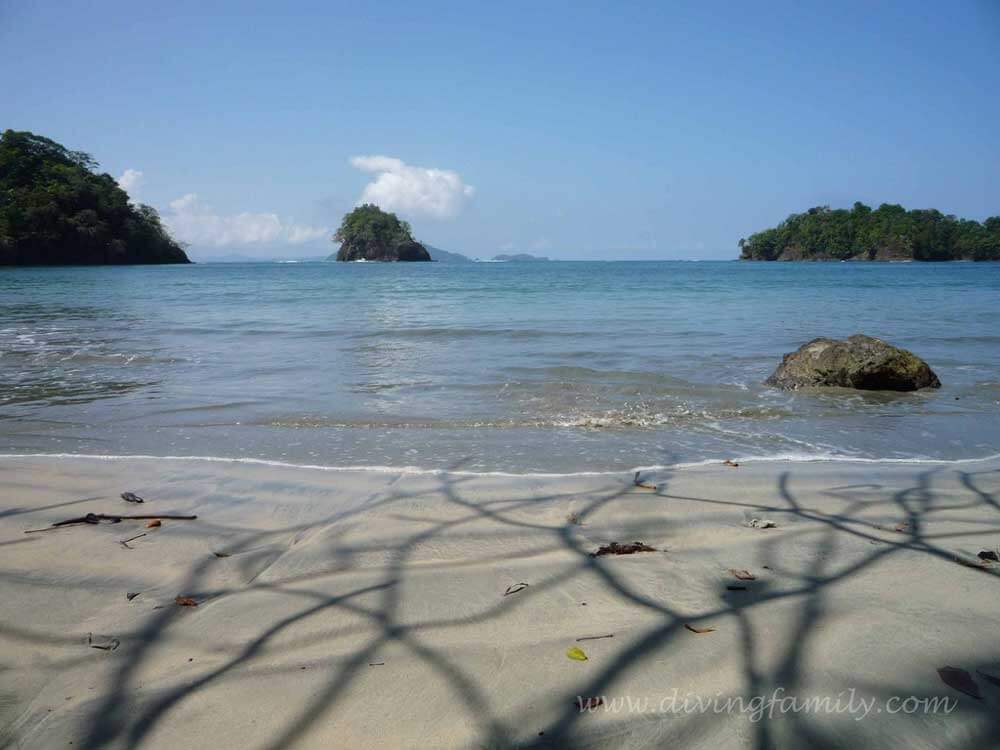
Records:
x=778, y=458
x=463, y=333
x=614, y=419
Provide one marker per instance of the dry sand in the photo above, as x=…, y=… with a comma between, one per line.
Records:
x=367, y=608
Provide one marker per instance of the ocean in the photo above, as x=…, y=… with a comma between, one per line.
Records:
x=488, y=367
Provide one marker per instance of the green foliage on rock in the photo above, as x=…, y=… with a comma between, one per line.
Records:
x=369, y=233
x=55, y=209
x=889, y=232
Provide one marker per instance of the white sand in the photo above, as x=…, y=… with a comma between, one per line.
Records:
x=331, y=572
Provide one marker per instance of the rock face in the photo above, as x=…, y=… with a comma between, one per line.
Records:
x=859, y=361
x=408, y=250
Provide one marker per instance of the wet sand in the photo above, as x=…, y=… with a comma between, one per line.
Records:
x=368, y=606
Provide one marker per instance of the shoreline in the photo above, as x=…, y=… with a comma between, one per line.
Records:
x=419, y=470
x=348, y=606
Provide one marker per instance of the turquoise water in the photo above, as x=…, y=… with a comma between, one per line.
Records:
x=550, y=367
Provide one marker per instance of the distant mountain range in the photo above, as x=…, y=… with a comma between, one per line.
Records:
x=443, y=256
x=446, y=257
x=237, y=258
x=518, y=257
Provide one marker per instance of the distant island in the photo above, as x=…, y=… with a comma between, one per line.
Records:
x=370, y=234
x=520, y=257
x=443, y=256
x=889, y=232
x=56, y=210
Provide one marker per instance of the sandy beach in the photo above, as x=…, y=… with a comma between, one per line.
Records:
x=337, y=607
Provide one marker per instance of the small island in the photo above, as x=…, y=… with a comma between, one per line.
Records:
x=56, y=210
x=888, y=233
x=370, y=234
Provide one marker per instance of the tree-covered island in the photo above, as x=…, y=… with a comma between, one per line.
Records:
x=889, y=232
x=55, y=209
x=369, y=233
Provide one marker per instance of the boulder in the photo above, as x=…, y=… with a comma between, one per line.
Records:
x=412, y=251
x=860, y=361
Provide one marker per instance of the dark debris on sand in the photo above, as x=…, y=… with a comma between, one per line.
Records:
x=622, y=549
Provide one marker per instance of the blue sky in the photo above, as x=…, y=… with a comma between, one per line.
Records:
x=574, y=130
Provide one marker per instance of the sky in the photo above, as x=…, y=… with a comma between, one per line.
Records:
x=578, y=130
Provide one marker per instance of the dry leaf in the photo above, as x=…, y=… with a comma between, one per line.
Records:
x=743, y=575
x=576, y=653
x=693, y=629
x=154, y=523
x=186, y=601
x=514, y=588
x=132, y=595
x=961, y=680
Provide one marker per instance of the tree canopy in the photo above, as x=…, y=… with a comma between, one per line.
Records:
x=889, y=232
x=369, y=223
x=56, y=209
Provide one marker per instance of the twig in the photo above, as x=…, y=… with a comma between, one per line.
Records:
x=124, y=542
x=595, y=637
x=95, y=518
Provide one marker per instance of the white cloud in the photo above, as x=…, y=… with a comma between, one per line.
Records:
x=415, y=191
x=130, y=181
x=192, y=221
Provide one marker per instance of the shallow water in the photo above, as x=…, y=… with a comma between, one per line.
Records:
x=549, y=367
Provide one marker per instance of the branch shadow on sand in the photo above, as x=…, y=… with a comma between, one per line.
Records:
x=813, y=554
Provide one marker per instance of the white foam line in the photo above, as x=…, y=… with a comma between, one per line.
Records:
x=786, y=458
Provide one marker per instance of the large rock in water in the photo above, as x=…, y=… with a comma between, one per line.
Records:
x=407, y=250
x=859, y=362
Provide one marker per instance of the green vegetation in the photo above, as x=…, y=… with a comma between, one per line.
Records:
x=369, y=223
x=369, y=233
x=55, y=209
x=890, y=232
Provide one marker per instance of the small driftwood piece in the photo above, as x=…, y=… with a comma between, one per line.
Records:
x=697, y=630
x=96, y=518
x=622, y=549
x=103, y=642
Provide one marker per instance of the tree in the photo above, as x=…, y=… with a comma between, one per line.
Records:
x=369, y=223
x=888, y=232
x=55, y=209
